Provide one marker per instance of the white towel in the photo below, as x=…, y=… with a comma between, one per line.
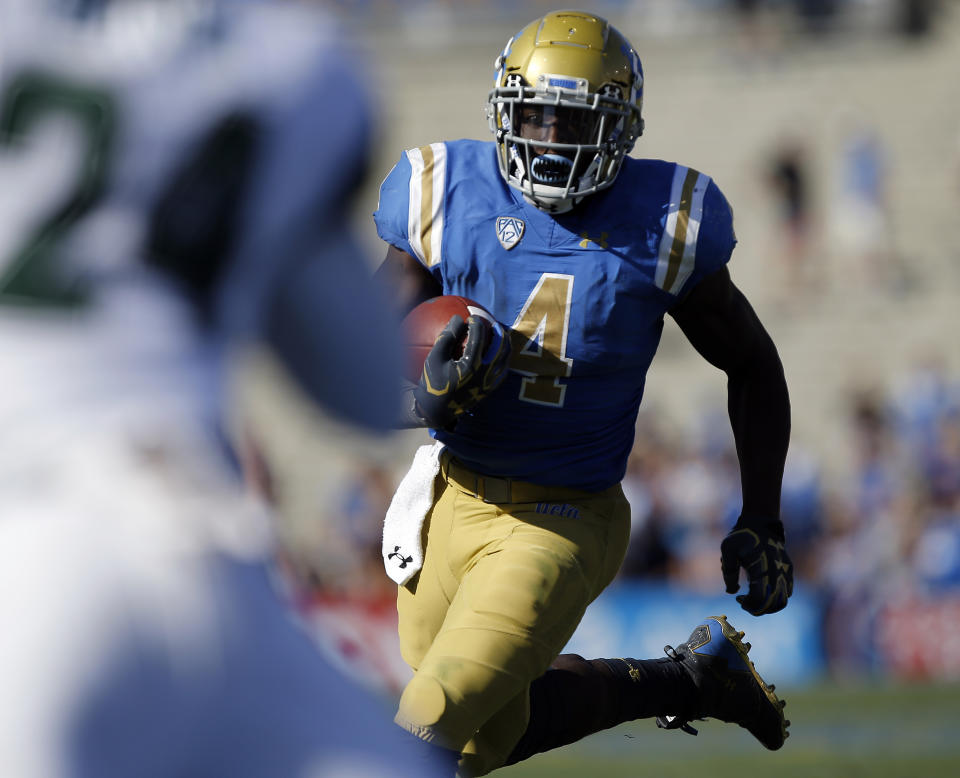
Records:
x=402, y=547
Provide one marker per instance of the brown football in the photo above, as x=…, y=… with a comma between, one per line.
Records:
x=423, y=325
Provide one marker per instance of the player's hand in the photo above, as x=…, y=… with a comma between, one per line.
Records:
x=757, y=545
x=451, y=385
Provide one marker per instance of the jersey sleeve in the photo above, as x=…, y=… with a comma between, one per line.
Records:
x=716, y=238
x=698, y=237
x=394, y=205
x=410, y=215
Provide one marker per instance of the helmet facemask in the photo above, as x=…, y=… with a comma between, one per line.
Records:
x=594, y=132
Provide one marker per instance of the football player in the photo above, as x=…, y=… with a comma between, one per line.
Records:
x=171, y=179
x=582, y=251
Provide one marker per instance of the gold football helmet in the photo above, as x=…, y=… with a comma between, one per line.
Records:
x=565, y=108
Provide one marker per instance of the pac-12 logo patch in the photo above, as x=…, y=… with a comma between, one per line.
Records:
x=509, y=231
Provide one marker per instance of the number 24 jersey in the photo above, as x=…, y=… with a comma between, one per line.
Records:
x=584, y=292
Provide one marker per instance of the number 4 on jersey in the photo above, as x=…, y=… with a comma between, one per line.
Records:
x=539, y=341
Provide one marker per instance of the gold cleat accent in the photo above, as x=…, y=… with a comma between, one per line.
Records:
x=735, y=638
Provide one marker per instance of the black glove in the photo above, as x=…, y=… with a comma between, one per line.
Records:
x=451, y=386
x=757, y=545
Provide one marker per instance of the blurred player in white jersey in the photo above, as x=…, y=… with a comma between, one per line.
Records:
x=173, y=181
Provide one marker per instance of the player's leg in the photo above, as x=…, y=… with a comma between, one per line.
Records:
x=709, y=676
x=484, y=655
x=523, y=590
x=577, y=697
x=423, y=602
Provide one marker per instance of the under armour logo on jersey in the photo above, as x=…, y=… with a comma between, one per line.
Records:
x=587, y=240
x=509, y=231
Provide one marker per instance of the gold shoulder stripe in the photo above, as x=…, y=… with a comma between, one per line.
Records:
x=425, y=215
x=678, y=244
x=680, y=230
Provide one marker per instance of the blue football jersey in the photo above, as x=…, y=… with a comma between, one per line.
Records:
x=584, y=292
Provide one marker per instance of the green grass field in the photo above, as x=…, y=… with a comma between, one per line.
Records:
x=872, y=731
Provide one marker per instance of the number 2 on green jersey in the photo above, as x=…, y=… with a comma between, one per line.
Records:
x=33, y=273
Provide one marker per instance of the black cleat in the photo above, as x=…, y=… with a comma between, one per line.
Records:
x=730, y=688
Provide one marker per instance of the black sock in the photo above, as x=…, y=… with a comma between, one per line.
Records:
x=577, y=697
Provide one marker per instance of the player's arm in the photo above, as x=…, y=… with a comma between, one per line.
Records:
x=451, y=383
x=723, y=327
x=409, y=281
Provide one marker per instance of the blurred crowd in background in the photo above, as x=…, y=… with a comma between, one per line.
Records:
x=757, y=18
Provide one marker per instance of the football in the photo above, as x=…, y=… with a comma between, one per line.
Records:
x=423, y=325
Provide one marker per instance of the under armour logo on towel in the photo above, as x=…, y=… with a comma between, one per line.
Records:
x=404, y=560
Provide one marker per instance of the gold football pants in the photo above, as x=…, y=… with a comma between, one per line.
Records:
x=509, y=569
